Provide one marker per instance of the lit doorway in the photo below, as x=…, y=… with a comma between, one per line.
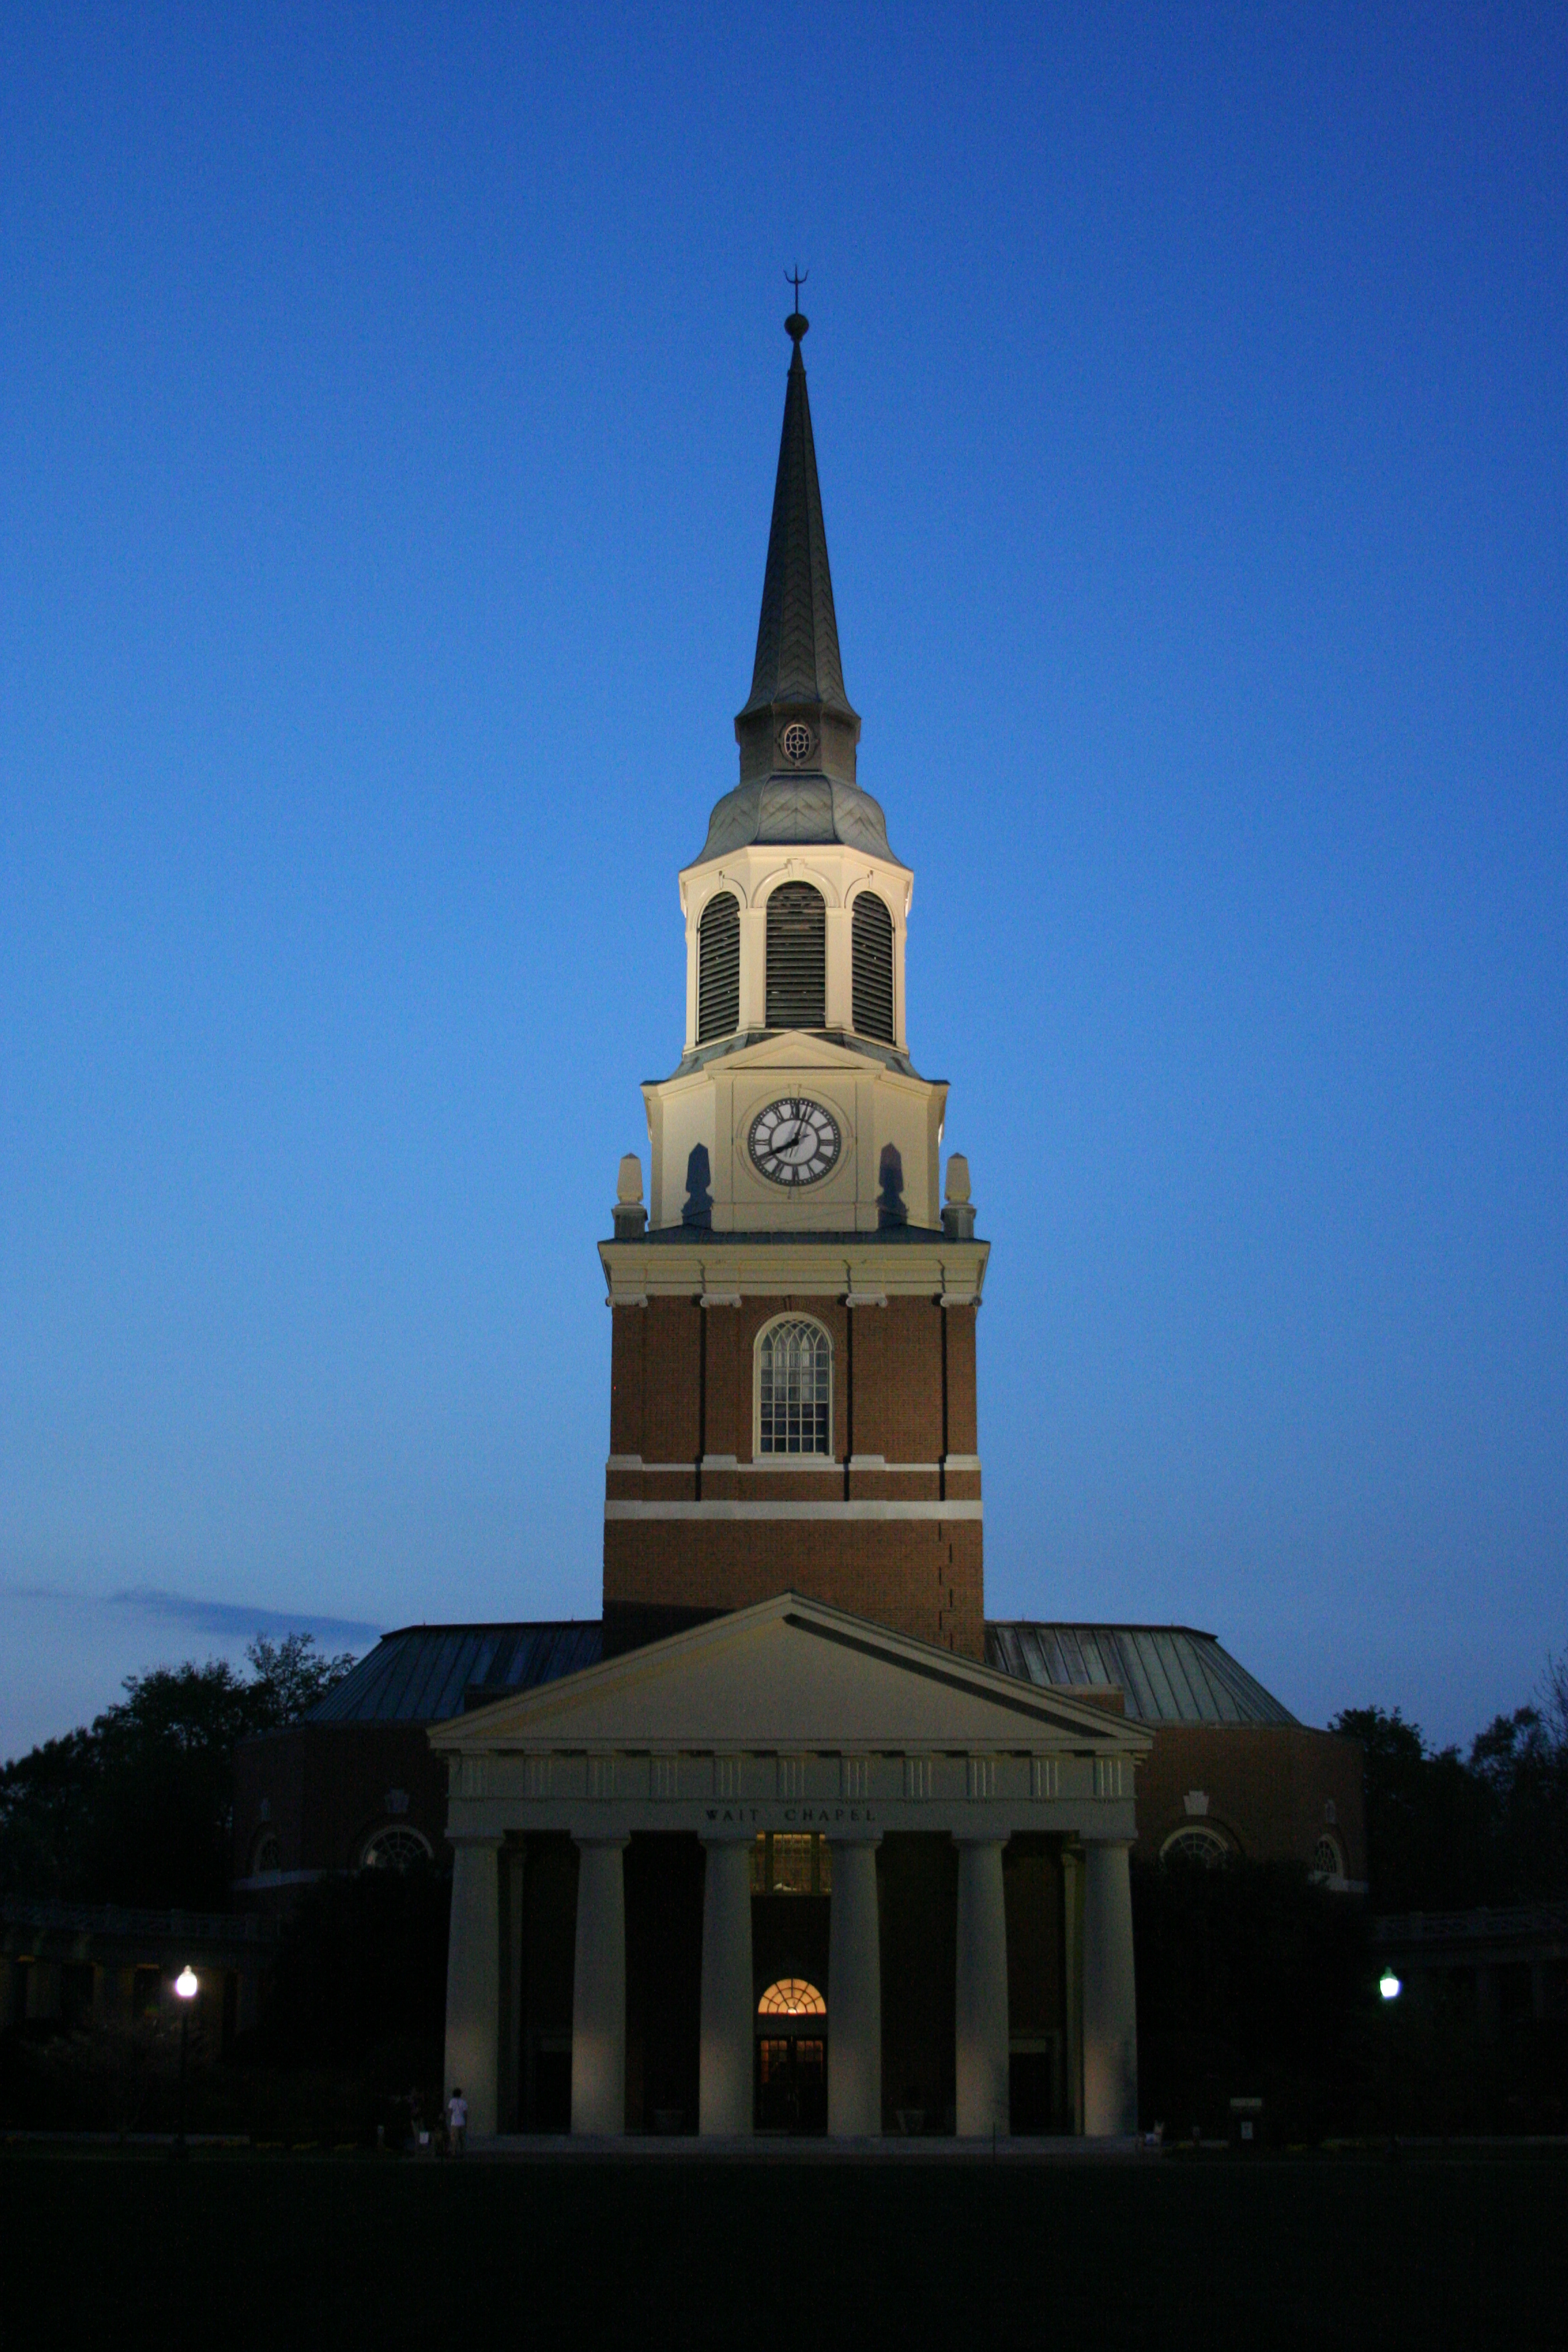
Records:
x=792, y=2058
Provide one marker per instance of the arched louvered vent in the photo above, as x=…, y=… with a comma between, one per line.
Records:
x=798, y=957
x=719, y=968
x=873, y=945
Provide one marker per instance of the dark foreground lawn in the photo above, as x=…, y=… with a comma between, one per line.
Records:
x=241, y=2250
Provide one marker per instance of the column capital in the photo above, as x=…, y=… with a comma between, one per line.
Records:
x=475, y=1838
x=601, y=1837
x=853, y=1835
x=1087, y=1838
x=731, y=1836
x=981, y=1837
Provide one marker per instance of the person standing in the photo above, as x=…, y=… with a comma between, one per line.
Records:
x=456, y=2121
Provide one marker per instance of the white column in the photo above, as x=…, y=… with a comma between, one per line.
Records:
x=728, y=2023
x=982, y=2052
x=1072, y=1979
x=512, y=1891
x=473, y=1980
x=753, y=968
x=599, y=1990
x=1110, y=2004
x=839, y=972
x=853, y=1993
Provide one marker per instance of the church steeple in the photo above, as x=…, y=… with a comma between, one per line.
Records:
x=798, y=731
x=798, y=662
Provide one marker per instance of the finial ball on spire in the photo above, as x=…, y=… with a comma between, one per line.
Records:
x=796, y=326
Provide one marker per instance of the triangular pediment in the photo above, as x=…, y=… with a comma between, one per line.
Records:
x=792, y=1674
x=800, y=1049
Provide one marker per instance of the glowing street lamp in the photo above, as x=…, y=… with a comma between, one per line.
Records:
x=1389, y=1986
x=186, y=1986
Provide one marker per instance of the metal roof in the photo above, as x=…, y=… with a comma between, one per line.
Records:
x=422, y=1674
x=1167, y=1674
x=797, y=808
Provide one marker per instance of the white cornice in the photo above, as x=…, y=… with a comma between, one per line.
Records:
x=710, y=1267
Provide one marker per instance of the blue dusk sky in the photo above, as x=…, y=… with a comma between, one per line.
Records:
x=389, y=403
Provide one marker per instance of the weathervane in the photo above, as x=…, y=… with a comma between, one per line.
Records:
x=794, y=325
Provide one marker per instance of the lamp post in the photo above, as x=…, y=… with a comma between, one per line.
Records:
x=1390, y=1986
x=186, y=1988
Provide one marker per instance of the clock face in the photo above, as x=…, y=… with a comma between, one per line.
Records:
x=794, y=1141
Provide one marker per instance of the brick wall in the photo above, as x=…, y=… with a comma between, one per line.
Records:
x=326, y=1786
x=1269, y=1789
x=920, y=1576
x=683, y=1408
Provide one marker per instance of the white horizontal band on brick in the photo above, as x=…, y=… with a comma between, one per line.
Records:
x=769, y=1282
x=772, y=1465
x=857, y=1510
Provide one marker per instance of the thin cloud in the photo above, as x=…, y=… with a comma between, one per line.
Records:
x=229, y=1618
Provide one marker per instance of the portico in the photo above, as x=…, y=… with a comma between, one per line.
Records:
x=744, y=1776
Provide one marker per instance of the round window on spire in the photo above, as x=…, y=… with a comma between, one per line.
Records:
x=796, y=742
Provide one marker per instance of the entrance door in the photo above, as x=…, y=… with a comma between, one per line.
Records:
x=791, y=2083
x=792, y=2058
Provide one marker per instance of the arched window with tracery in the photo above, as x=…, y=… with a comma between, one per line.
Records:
x=795, y=1388
x=871, y=941
x=792, y=1997
x=1328, y=1861
x=798, y=957
x=719, y=967
x=395, y=1848
x=266, y=1854
x=1195, y=1843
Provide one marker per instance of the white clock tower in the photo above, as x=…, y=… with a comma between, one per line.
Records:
x=796, y=1177
x=797, y=1081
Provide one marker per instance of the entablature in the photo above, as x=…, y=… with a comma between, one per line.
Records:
x=721, y=1268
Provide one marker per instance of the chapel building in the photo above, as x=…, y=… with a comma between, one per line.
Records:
x=793, y=1854
x=791, y=1839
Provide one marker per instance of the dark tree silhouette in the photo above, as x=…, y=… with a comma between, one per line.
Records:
x=138, y=1808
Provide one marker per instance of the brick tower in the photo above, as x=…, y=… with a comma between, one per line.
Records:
x=793, y=1386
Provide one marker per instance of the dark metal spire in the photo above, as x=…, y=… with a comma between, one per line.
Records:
x=797, y=637
x=797, y=733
